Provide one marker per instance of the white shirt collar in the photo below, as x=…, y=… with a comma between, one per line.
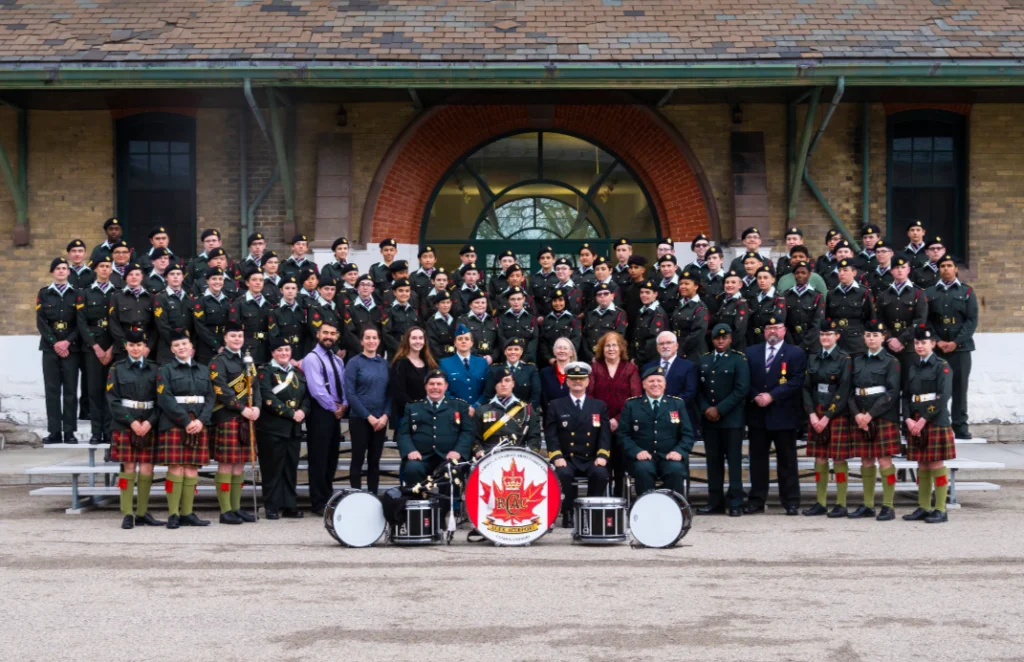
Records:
x=250, y=297
x=53, y=286
x=956, y=283
x=358, y=302
x=582, y=399
x=766, y=295
x=653, y=306
x=217, y=297
x=171, y=291
x=154, y=273
x=611, y=308
x=284, y=304
x=674, y=279
x=512, y=400
x=96, y=285
x=568, y=285
x=696, y=298
x=287, y=367
x=853, y=286
x=439, y=316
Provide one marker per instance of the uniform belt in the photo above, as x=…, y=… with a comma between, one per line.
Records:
x=190, y=399
x=843, y=322
x=822, y=388
x=871, y=390
x=258, y=335
x=949, y=320
x=924, y=397
x=59, y=325
x=102, y=324
x=137, y=404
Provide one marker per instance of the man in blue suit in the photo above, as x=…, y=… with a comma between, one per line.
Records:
x=467, y=372
x=774, y=411
x=680, y=376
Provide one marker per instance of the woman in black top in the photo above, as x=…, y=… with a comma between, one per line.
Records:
x=408, y=370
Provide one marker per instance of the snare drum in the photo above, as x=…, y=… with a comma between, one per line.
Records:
x=660, y=518
x=599, y=520
x=355, y=518
x=422, y=525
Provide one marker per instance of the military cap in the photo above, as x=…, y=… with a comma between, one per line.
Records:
x=666, y=240
x=795, y=230
x=946, y=258
x=467, y=248
x=110, y=221
x=923, y=332
x=210, y=232
x=874, y=327
x=470, y=267
x=754, y=255
x=305, y=274
x=211, y=272
x=506, y=253
x=502, y=372
x=398, y=265
x=828, y=325
x=603, y=287
x=216, y=252
x=623, y=242
x=843, y=244
x=801, y=264
x=462, y=330
x=563, y=261
x=637, y=261
x=424, y=250
x=440, y=270
x=364, y=277
x=179, y=334
x=253, y=271
x=75, y=243
x=882, y=245
x=297, y=238
x=648, y=285
x=289, y=280
x=714, y=250
x=277, y=342
x=721, y=330
x=915, y=224
x=733, y=274
x=270, y=255
x=544, y=251
x=401, y=282
x=512, y=269
x=340, y=241
x=443, y=295
x=692, y=276
x=586, y=247
x=654, y=371
x=846, y=264
x=516, y=290
x=577, y=370
x=870, y=229
x=515, y=342
x=101, y=259
x=778, y=318
x=233, y=326
x=349, y=266
x=56, y=263
x=763, y=270
x=132, y=266
x=120, y=244
x=159, y=253
x=157, y=230
x=174, y=266
x=436, y=373
x=601, y=259
x=326, y=282
x=254, y=237
x=700, y=237
x=933, y=240
x=668, y=257
x=558, y=294
x=899, y=262
x=749, y=231
x=135, y=335
x=477, y=294
x=387, y=242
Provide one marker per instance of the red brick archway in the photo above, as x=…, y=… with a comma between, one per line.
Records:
x=641, y=137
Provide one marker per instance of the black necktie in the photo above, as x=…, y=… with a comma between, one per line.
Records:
x=465, y=362
x=337, y=379
x=579, y=405
x=654, y=406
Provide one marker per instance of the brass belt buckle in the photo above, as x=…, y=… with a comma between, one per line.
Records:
x=897, y=326
x=292, y=404
x=949, y=320
x=843, y=323
x=258, y=336
x=295, y=340
x=60, y=326
x=484, y=346
x=103, y=324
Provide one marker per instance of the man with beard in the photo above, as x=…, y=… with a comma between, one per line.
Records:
x=325, y=375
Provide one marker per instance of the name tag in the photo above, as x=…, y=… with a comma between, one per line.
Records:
x=822, y=388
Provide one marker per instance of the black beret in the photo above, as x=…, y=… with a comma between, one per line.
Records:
x=831, y=233
x=135, y=335
x=558, y=294
x=714, y=250
x=749, y=231
x=899, y=262
x=801, y=264
x=158, y=253
x=289, y=280
x=874, y=326
x=668, y=257
x=254, y=237
x=870, y=228
x=179, y=334
x=763, y=270
x=443, y=295
x=477, y=294
x=211, y=272
x=915, y=224
x=470, y=267
x=326, y=282
x=637, y=261
x=209, y=233
x=828, y=324
x=923, y=332
x=933, y=240
x=398, y=265
x=506, y=253
x=252, y=271
x=233, y=326
x=666, y=240
x=946, y=258
x=623, y=242
x=467, y=248
x=516, y=290
x=515, y=342
x=101, y=259
x=340, y=241
x=648, y=285
x=777, y=318
x=601, y=259
x=563, y=261
x=586, y=247
x=733, y=274
x=174, y=266
x=120, y=244
x=270, y=255
x=544, y=251
x=387, y=242
x=56, y=263
x=216, y=252
x=157, y=230
x=349, y=267
x=132, y=266
x=110, y=221
x=297, y=238
x=277, y=342
x=512, y=269
x=752, y=254
x=425, y=249
x=401, y=282
x=364, y=277
x=721, y=330
x=603, y=287
x=843, y=244
x=501, y=372
x=440, y=270
x=654, y=371
x=75, y=243
x=795, y=230
x=882, y=244
x=305, y=274
x=692, y=276
x=436, y=373
x=700, y=237
x=846, y=264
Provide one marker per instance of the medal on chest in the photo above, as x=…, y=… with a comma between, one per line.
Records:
x=597, y=420
x=458, y=419
x=674, y=416
x=782, y=378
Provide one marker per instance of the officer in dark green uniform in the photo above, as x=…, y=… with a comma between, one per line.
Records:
x=558, y=323
x=721, y=398
x=597, y=322
x=691, y=318
x=517, y=322
x=285, y=405
x=210, y=314
x=733, y=310
x=505, y=419
x=927, y=274
x=953, y=313
x=902, y=307
x=173, y=312
x=93, y=313
x=112, y=228
x=656, y=435
x=805, y=308
x=252, y=312
x=851, y=307
x=403, y=315
x=433, y=430
x=527, y=378
x=59, y=340
x=650, y=321
x=380, y=272
x=289, y=320
x=714, y=281
x=132, y=308
x=441, y=327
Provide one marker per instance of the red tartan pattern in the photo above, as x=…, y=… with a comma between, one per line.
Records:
x=941, y=445
x=121, y=449
x=171, y=448
x=886, y=443
x=839, y=444
x=231, y=441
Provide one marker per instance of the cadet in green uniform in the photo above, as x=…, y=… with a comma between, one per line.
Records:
x=497, y=284
x=271, y=278
x=879, y=276
x=668, y=284
x=927, y=274
x=721, y=399
x=826, y=402
x=433, y=430
x=870, y=235
x=297, y=262
x=289, y=321
x=584, y=276
x=252, y=312
x=467, y=291
x=285, y=405
x=364, y=312
x=603, y=271
x=650, y=321
x=573, y=294
x=423, y=278
x=441, y=327
x=515, y=279
x=57, y=322
x=656, y=435
x=505, y=419
x=597, y=322
x=517, y=322
x=483, y=326
x=579, y=439
x=159, y=260
x=527, y=378
x=915, y=249
x=623, y=251
x=751, y=238
x=750, y=290
x=690, y=320
x=231, y=416
x=217, y=259
x=929, y=435
x=784, y=265
x=210, y=315
x=903, y=307
x=827, y=262
x=953, y=313
x=172, y=311
x=733, y=310
x=113, y=230
x=131, y=399
x=439, y=283
x=380, y=272
x=258, y=256
x=805, y=308
x=851, y=307
x=875, y=420
x=121, y=254
x=558, y=323
x=80, y=276
x=700, y=246
x=326, y=310
x=403, y=315
x=93, y=321
x=132, y=308
x=184, y=394
x=714, y=281
x=158, y=239
x=765, y=305
x=400, y=271
x=198, y=265
x=333, y=269
x=543, y=281
x=467, y=256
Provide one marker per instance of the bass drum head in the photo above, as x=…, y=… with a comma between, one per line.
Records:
x=656, y=520
x=355, y=518
x=513, y=496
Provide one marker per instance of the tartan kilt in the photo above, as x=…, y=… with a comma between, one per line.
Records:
x=171, y=448
x=121, y=449
x=231, y=441
x=839, y=443
x=886, y=442
x=941, y=445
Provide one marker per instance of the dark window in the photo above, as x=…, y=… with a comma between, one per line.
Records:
x=927, y=176
x=156, y=179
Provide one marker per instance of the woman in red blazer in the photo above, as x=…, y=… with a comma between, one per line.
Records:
x=614, y=379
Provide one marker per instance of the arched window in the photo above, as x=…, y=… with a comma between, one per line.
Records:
x=532, y=189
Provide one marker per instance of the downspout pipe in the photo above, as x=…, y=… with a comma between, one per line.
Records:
x=802, y=151
x=836, y=98
x=255, y=108
x=243, y=180
x=18, y=184
x=865, y=171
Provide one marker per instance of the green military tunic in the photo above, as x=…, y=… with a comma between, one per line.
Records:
x=293, y=267
x=879, y=279
x=403, y=318
x=441, y=335
x=659, y=432
x=485, y=335
x=380, y=273
x=256, y=320
x=433, y=432
x=527, y=382
x=764, y=307
x=690, y=324
x=734, y=311
x=278, y=437
x=902, y=310
x=724, y=382
x=668, y=294
x=596, y=323
x=553, y=326
x=651, y=320
x=290, y=323
x=521, y=429
x=209, y=318
x=93, y=306
x=131, y=311
x=851, y=310
x=57, y=320
x=542, y=286
x=172, y=313
x=804, y=311
x=926, y=275
x=523, y=325
x=953, y=313
x=81, y=276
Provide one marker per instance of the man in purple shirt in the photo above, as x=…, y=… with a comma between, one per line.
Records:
x=325, y=377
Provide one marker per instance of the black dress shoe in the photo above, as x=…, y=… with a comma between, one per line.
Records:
x=272, y=514
x=735, y=511
x=230, y=518
x=937, y=517
x=96, y=439
x=54, y=438
x=962, y=433
x=292, y=513
x=917, y=515
x=838, y=511
x=815, y=510
x=128, y=522
x=172, y=522
x=567, y=521
x=862, y=511
x=792, y=510
x=106, y=455
x=193, y=520
x=70, y=438
x=886, y=514
x=711, y=510
x=148, y=520
x=753, y=508
x=245, y=515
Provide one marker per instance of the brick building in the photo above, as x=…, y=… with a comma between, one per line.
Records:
x=510, y=123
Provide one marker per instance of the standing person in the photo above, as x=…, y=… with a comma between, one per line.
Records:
x=751, y=238
x=558, y=323
x=131, y=397
x=542, y=283
x=132, y=308
x=288, y=321
x=666, y=246
x=903, y=307
x=93, y=306
x=113, y=230
x=369, y=394
x=714, y=282
x=850, y=305
x=380, y=272
x=623, y=251
x=953, y=313
x=198, y=265
x=441, y=327
x=668, y=284
x=403, y=316
x=631, y=292
x=525, y=375
x=160, y=259
x=699, y=265
x=297, y=261
x=121, y=254
x=805, y=309
x=515, y=280
x=601, y=320
x=680, y=375
x=257, y=257
x=929, y=434
x=875, y=423
x=517, y=322
x=650, y=321
x=794, y=237
x=552, y=377
x=584, y=276
x=826, y=396
x=915, y=249
x=505, y=419
x=751, y=264
x=766, y=304
x=613, y=380
x=603, y=271
x=439, y=283
x=325, y=379
x=879, y=276
x=253, y=313
x=333, y=269
x=159, y=241
x=184, y=394
x=928, y=273
x=691, y=317
x=497, y=284
x=172, y=311
x=364, y=313
x=486, y=342
x=285, y=405
x=469, y=289
x=870, y=235
x=80, y=276
x=724, y=382
x=801, y=254
x=774, y=406
x=271, y=278
x=573, y=294
x=217, y=259
x=210, y=314
x=57, y=322
x=436, y=429
x=466, y=372
x=579, y=440
x=733, y=310
x=423, y=278
x=826, y=262
x=409, y=367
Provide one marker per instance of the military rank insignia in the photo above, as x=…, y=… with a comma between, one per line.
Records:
x=597, y=420
x=489, y=417
x=674, y=416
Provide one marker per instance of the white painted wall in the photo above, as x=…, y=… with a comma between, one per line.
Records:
x=365, y=258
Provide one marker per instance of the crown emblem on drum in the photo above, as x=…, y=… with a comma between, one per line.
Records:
x=513, y=480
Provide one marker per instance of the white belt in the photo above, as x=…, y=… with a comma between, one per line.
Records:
x=189, y=399
x=822, y=388
x=871, y=390
x=924, y=397
x=137, y=404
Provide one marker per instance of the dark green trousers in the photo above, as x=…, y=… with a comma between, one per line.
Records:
x=723, y=445
x=279, y=463
x=96, y=378
x=960, y=363
x=60, y=381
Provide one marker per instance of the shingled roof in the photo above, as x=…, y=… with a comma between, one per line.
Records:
x=40, y=31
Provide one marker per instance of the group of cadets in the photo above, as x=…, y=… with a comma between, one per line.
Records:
x=116, y=317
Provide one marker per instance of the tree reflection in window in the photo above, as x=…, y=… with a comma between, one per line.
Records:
x=535, y=218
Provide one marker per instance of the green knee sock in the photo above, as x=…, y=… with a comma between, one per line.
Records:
x=868, y=475
x=842, y=473
x=188, y=494
x=941, y=477
x=223, y=491
x=821, y=481
x=924, y=488
x=888, y=486
x=126, y=481
x=236, y=492
x=145, y=485
x=174, y=498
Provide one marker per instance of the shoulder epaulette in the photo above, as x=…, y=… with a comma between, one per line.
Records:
x=635, y=397
x=457, y=399
x=673, y=397
x=706, y=354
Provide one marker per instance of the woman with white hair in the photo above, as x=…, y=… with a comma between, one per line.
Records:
x=552, y=377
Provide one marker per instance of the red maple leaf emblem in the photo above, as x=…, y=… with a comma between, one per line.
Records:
x=512, y=500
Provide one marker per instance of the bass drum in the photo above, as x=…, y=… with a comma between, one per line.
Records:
x=513, y=496
x=355, y=518
x=660, y=518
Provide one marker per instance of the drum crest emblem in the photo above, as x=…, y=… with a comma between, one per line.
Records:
x=514, y=501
